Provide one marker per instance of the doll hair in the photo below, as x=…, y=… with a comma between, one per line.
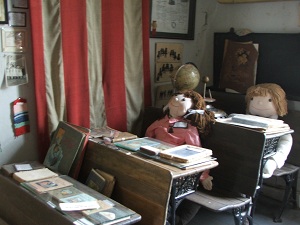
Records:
x=204, y=121
x=276, y=92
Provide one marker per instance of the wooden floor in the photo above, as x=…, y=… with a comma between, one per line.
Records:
x=263, y=215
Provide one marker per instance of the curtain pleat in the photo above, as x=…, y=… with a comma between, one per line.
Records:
x=91, y=63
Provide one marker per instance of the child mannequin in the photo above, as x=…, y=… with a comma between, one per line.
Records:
x=268, y=100
x=185, y=121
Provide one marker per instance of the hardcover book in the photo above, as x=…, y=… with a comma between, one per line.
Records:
x=238, y=70
x=10, y=169
x=185, y=153
x=184, y=166
x=111, y=134
x=136, y=144
x=96, y=181
x=67, y=148
x=66, y=192
x=101, y=181
x=110, y=181
x=112, y=215
x=45, y=185
x=80, y=197
x=31, y=175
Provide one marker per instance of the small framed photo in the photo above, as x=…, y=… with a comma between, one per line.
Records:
x=3, y=12
x=23, y=4
x=17, y=19
x=14, y=39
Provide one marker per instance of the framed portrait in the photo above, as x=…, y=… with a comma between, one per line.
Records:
x=174, y=19
x=14, y=39
x=3, y=12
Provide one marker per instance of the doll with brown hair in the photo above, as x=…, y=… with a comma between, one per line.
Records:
x=269, y=100
x=185, y=121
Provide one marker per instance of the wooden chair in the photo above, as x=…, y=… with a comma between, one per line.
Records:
x=239, y=152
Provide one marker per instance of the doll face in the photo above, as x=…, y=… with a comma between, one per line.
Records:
x=263, y=106
x=179, y=104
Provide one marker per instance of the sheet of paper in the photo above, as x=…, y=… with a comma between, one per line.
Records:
x=79, y=206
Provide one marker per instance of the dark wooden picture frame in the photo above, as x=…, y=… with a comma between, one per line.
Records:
x=22, y=4
x=3, y=12
x=17, y=19
x=160, y=14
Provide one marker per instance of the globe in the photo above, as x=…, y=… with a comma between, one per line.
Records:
x=187, y=77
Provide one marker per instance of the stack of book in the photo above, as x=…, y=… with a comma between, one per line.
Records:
x=183, y=156
x=262, y=124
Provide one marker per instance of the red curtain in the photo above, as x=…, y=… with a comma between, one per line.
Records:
x=91, y=63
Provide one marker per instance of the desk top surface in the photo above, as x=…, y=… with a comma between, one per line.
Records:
x=174, y=171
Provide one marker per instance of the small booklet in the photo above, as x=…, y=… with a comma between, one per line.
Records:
x=23, y=167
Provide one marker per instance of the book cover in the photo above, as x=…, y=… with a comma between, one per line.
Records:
x=63, y=193
x=105, y=131
x=238, y=70
x=80, y=197
x=96, y=181
x=32, y=175
x=110, y=216
x=112, y=134
x=185, y=153
x=66, y=150
x=76, y=166
x=110, y=181
x=45, y=185
x=200, y=162
x=135, y=144
x=123, y=136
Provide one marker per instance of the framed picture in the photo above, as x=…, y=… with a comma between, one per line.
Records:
x=174, y=19
x=23, y=4
x=14, y=39
x=3, y=12
x=17, y=19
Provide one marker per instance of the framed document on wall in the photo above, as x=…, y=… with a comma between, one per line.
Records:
x=173, y=19
x=3, y=12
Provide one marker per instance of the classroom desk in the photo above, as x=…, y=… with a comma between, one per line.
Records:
x=150, y=188
x=20, y=206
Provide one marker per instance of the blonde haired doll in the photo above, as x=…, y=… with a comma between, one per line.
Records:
x=269, y=100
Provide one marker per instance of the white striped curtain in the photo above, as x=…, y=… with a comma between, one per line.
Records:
x=91, y=63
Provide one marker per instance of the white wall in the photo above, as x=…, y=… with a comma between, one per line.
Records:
x=13, y=149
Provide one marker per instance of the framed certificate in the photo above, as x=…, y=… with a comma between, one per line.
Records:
x=3, y=12
x=173, y=19
x=14, y=39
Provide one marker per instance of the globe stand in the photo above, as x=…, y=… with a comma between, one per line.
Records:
x=218, y=113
